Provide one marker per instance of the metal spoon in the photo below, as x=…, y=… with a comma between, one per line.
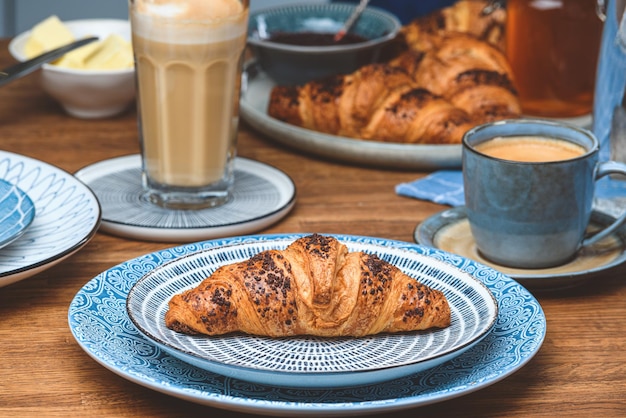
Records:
x=353, y=17
x=19, y=70
x=492, y=6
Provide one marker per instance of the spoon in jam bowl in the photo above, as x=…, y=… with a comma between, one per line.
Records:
x=351, y=20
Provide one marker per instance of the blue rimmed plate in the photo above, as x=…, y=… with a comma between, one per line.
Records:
x=99, y=322
x=67, y=215
x=309, y=361
x=17, y=212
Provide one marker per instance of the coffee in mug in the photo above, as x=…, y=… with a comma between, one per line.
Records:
x=532, y=211
x=530, y=149
x=188, y=57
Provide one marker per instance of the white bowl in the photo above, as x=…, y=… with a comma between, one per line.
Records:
x=86, y=93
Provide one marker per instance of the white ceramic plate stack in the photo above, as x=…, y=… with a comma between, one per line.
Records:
x=55, y=215
x=497, y=327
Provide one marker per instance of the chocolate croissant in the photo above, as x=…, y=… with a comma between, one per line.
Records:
x=471, y=74
x=376, y=102
x=313, y=287
x=475, y=17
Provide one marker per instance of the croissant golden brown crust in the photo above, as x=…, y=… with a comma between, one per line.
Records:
x=313, y=287
x=377, y=102
x=464, y=16
x=446, y=74
x=471, y=74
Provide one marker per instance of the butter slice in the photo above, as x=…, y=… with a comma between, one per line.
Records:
x=49, y=34
x=112, y=53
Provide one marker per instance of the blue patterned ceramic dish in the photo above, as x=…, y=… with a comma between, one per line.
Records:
x=16, y=212
x=99, y=322
x=67, y=216
x=295, y=64
x=314, y=362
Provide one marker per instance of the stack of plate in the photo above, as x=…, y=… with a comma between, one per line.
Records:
x=497, y=327
x=46, y=215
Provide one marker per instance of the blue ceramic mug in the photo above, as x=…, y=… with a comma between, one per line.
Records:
x=532, y=214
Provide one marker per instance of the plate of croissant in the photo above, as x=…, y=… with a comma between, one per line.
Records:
x=311, y=311
x=444, y=74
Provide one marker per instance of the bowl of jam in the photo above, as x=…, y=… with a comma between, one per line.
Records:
x=296, y=43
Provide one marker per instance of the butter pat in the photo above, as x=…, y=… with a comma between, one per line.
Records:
x=114, y=52
x=49, y=34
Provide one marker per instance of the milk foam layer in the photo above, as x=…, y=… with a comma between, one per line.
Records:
x=189, y=21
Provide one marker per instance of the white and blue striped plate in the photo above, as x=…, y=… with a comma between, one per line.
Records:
x=67, y=216
x=17, y=212
x=100, y=324
x=310, y=361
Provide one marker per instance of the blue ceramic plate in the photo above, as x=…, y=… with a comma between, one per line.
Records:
x=100, y=324
x=16, y=212
x=314, y=362
x=67, y=215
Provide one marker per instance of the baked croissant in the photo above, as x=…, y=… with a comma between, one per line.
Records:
x=471, y=74
x=465, y=16
x=377, y=102
x=313, y=287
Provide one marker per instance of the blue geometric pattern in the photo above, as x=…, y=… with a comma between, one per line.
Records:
x=314, y=361
x=16, y=212
x=99, y=322
x=67, y=215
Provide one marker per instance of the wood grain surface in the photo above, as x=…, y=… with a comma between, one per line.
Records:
x=580, y=371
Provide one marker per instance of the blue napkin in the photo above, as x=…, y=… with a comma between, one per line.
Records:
x=446, y=187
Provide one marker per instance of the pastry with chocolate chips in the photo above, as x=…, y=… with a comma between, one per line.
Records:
x=313, y=287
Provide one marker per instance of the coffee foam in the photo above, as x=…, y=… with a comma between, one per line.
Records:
x=189, y=21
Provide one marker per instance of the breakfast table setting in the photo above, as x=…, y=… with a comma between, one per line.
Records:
x=89, y=264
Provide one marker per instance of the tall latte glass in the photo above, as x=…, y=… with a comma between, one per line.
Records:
x=188, y=57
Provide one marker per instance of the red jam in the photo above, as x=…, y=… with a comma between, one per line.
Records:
x=314, y=38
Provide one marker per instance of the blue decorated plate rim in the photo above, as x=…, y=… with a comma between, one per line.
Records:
x=456, y=380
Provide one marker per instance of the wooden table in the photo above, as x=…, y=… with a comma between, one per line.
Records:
x=579, y=371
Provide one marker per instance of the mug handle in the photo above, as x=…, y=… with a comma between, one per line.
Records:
x=604, y=169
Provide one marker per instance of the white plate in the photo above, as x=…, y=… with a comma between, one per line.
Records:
x=254, y=100
x=99, y=323
x=262, y=195
x=67, y=215
x=309, y=361
x=17, y=212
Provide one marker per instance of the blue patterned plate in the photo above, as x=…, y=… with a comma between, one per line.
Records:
x=16, y=212
x=100, y=324
x=67, y=215
x=314, y=362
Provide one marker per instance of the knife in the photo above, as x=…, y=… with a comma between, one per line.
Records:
x=19, y=70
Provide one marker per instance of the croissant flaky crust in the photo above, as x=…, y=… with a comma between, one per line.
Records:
x=476, y=17
x=378, y=102
x=447, y=73
x=313, y=287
